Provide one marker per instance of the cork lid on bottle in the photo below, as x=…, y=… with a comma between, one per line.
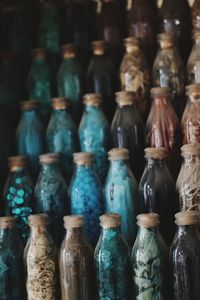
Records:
x=118, y=154
x=110, y=221
x=17, y=162
x=69, y=50
x=193, y=90
x=190, y=150
x=29, y=105
x=165, y=40
x=92, y=99
x=189, y=217
x=125, y=98
x=148, y=220
x=7, y=222
x=60, y=103
x=83, y=158
x=73, y=221
x=38, y=220
x=132, y=45
x=156, y=153
x=160, y=92
x=39, y=53
x=98, y=47
x=49, y=158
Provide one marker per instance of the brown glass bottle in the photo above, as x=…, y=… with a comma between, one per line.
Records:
x=193, y=64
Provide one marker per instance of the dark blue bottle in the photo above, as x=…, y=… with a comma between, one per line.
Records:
x=94, y=133
x=86, y=197
x=18, y=194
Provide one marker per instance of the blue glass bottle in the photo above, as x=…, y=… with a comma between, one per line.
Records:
x=121, y=192
x=94, y=133
x=86, y=196
x=18, y=194
x=70, y=80
x=62, y=136
x=11, y=261
x=51, y=195
x=30, y=135
x=112, y=262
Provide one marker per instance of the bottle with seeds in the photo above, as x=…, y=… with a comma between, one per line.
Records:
x=193, y=64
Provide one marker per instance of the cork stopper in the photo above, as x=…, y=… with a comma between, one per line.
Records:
x=39, y=53
x=83, y=158
x=189, y=217
x=60, y=103
x=165, y=40
x=73, y=221
x=156, y=153
x=98, y=47
x=190, y=150
x=29, y=105
x=92, y=99
x=149, y=220
x=196, y=36
x=118, y=154
x=17, y=162
x=7, y=222
x=132, y=45
x=49, y=158
x=193, y=90
x=124, y=98
x=38, y=220
x=160, y=92
x=69, y=50
x=110, y=221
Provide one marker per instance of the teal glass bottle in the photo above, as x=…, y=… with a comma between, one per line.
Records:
x=149, y=260
x=51, y=195
x=86, y=196
x=94, y=133
x=11, y=259
x=18, y=194
x=30, y=135
x=62, y=136
x=112, y=261
x=121, y=192
x=70, y=80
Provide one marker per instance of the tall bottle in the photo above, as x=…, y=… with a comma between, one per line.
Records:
x=196, y=15
x=157, y=191
x=128, y=131
x=149, y=260
x=185, y=257
x=62, y=135
x=76, y=262
x=112, y=261
x=121, y=192
x=134, y=75
x=30, y=135
x=193, y=64
x=86, y=197
x=94, y=133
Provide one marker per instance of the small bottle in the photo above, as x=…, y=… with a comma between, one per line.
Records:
x=193, y=64
x=76, y=262
x=112, y=261
x=185, y=257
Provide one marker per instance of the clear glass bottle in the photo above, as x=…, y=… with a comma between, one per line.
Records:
x=94, y=133
x=121, y=192
x=112, y=261
x=76, y=262
x=193, y=64
x=62, y=135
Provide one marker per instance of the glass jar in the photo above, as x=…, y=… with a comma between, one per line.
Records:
x=188, y=185
x=18, y=194
x=185, y=257
x=134, y=75
x=70, y=80
x=86, y=197
x=76, y=262
x=94, y=133
x=168, y=71
x=157, y=191
x=121, y=192
x=128, y=131
x=30, y=135
x=196, y=15
x=62, y=135
x=112, y=261
x=41, y=261
x=193, y=65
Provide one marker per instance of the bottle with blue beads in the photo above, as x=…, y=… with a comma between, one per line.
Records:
x=86, y=195
x=94, y=133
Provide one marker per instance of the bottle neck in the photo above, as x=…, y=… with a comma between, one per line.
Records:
x=74, y=233
x=184, y=231
x=50, y=168
x=29, y=114
x=110, y=233
x=144, y=232
x=191, y=160
x=84, y=168
x=156, y=163
x=93, y=109
x=6, y=234
x=161, y=102
x=37, y=231
x=118, y=165
x=39, y=61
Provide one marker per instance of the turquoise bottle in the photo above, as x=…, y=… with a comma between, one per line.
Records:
x=70, y=80
x=62, y=135
x=112, y=261
x=18, y=194
x=149, y=260
x=86, y=196
x=94, y=133
x=121, y=192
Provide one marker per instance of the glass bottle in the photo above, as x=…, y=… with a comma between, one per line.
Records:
x=134, y=75
x=168, y=71
x=18, y=194
x=121, y=192
x=128, y=131
x=39, y=82
x=30, y=135
x=193, y=64
x=112, y=261
x=76, y=262
x=190, y=121
x=86, y=197
x=101, y=77
x=188, y=185
x=70, y=80
x=62, y=135
x=41, y=261
x=149, y=260
x=94, y=133
x=196, y=15
x=185, y=257
x=11, y=258
x=51, y=194
x=157, y=191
